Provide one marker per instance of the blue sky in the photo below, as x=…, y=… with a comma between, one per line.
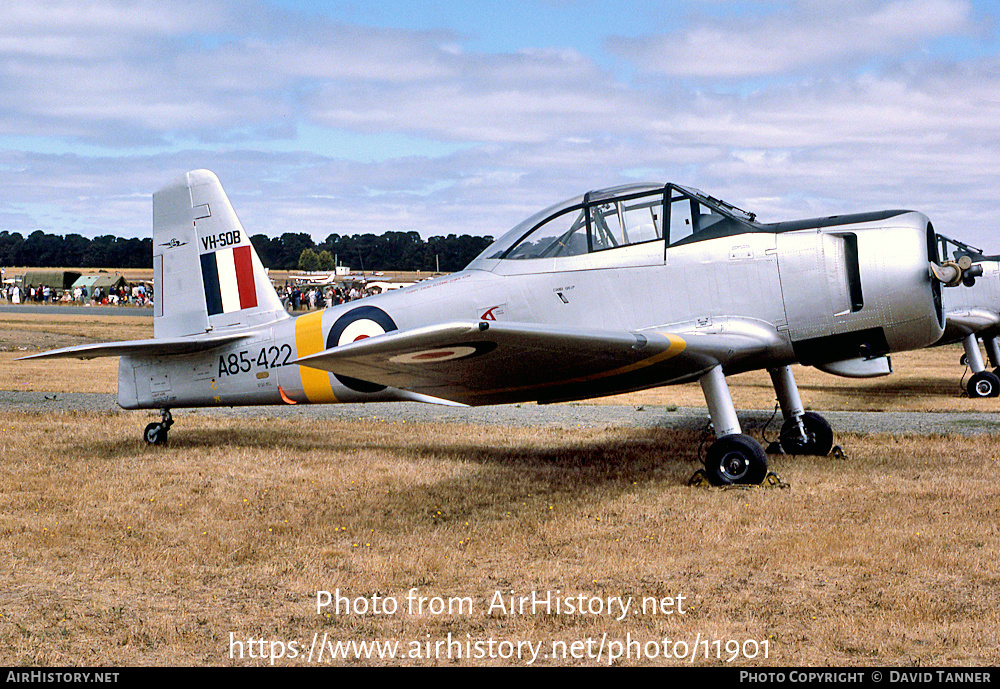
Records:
x=448, y=117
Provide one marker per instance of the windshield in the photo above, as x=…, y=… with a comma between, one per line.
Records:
x=503, y=244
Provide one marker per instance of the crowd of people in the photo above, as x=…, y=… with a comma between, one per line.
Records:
x=296, y=298
x=125, y=294
x=293, y=297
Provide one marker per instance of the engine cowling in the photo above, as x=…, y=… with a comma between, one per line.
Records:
x=856, y=291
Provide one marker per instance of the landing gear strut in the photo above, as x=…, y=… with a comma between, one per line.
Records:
x=983, y=383
x=156, y=433
x=992, y=351
x=803, y=432
x=733, y=458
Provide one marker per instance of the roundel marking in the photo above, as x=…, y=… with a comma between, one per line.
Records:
x=357, y=324
x=359, y=330
x=433, y=356
x=446, y=353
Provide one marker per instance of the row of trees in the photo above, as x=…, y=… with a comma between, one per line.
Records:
x=390, y=251
x=290, y=251
x=40, y=250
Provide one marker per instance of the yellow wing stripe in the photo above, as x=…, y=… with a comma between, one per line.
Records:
x=308, y=340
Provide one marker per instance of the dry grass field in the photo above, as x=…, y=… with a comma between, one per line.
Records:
x=211, y=550
x=23, y=333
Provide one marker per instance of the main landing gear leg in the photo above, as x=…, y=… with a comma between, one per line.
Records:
x=156, y=433
x=803, y=432
x=733, y=457
x=983, y=383
x=992, y=351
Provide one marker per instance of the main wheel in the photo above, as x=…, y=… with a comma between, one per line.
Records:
x=984, y=384
x=818, y=440
x=155, y=434
x=735, y=459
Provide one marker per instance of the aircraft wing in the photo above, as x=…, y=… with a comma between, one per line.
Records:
x=157, y=347
x=960, y=323
x=492, y=363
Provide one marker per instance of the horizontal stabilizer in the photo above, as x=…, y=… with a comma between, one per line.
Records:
x=163, y=346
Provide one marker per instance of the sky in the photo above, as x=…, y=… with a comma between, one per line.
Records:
x=464, y=118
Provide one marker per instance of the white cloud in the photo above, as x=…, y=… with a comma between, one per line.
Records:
x=801, y=36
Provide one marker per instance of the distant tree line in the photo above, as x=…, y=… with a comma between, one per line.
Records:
x=390, y=251
x=41, y=250
x=290, y=251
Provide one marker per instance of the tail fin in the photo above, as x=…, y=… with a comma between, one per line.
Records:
x=206, y=274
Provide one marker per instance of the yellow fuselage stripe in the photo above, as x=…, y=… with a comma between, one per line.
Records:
x=308, y=340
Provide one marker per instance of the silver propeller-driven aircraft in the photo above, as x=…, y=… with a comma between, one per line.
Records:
x=974, y=314
x=617, y=290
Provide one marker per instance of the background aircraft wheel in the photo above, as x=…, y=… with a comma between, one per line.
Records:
x=984, y=384
x=155, y=434
x=735, y=459
x=818, y=440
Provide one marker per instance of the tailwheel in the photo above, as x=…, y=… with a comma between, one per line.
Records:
x=815, y=437
x=156, y=432
x=983, y=384
x=735, y=459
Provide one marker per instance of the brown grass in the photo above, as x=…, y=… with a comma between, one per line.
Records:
x=64, y=326
x=24, y=333
x=121, y=554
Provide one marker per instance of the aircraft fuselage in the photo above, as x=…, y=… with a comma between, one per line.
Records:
x=855, y=291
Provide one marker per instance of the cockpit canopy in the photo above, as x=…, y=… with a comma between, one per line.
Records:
x=618, y=217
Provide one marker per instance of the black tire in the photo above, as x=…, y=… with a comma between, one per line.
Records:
x=819, y=436
x=155, y=434
x=983, y=384
x=736, y=459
